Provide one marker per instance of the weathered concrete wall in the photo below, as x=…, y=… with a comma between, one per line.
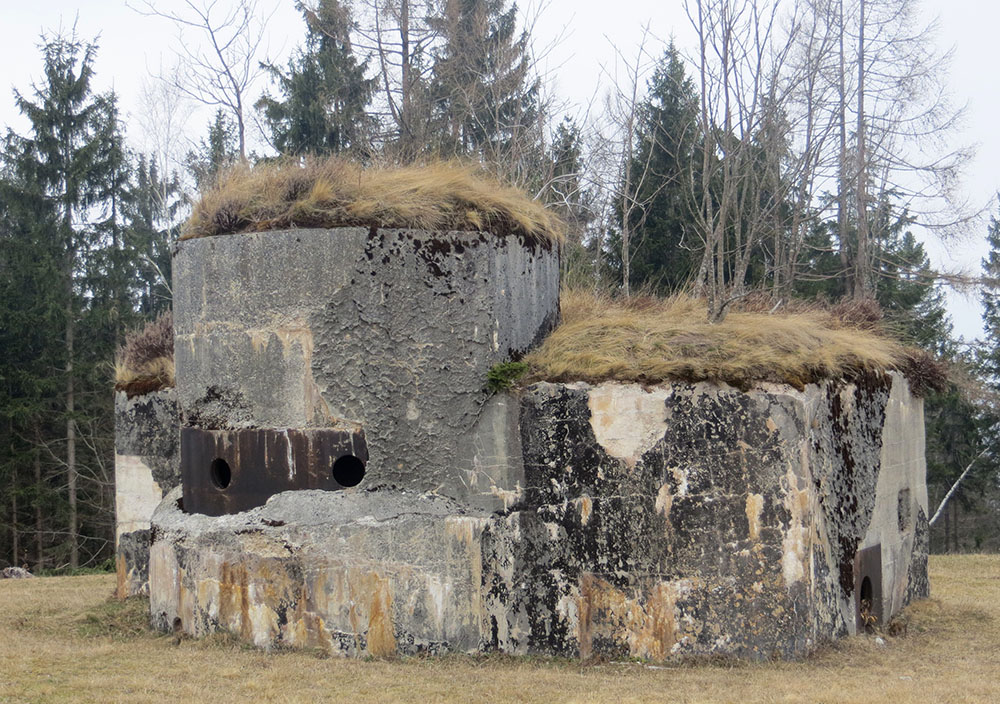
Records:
x=350, y=572
x=899, y=518
x=642, y=522
x=392, y=330
x=699, y=519
x=147, y=466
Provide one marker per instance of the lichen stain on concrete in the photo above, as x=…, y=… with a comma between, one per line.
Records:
x=509, y=497
x=755, y=505
x=466, y=529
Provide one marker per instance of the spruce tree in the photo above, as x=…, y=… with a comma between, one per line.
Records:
x=566, y=193
x=71, y=159
x=324, y=92
x=485, y=100
x=30, y=322
x=989, y=358
x=663, y=254
x=218, y=151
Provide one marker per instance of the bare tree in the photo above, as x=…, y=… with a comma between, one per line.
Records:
x=895, y=125
x=221, y=68
x=163, y=115
x=398, y=35
x=622, y=107
x=741, y=184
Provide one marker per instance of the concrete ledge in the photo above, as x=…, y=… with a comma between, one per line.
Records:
x=353, y=573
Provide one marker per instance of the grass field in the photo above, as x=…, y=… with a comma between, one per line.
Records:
x=61, y=640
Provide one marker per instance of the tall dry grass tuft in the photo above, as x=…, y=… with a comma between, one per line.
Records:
x=334, y=192
x=650, y=340
x=145, y=362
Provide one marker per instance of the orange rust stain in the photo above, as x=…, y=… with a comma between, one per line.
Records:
x=381, y=639
x=306, y=626
x=644, y=621
x=234, y=599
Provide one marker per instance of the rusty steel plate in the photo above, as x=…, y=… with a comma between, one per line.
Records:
x=228, y=471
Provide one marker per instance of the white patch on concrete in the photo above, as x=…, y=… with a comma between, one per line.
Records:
x=136, y=494
x=627, y=420
x=291, y=459
x=681, y=476
x=664, y=500
x=440, y=594
x=508, y=496
x=794, y=543
x=412, y=412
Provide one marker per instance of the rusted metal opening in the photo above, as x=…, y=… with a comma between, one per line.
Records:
x=868, y=588
x=221, y=473
x=228, y=471
x=348, y=470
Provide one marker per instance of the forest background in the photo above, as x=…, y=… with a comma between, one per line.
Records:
x=768, y=149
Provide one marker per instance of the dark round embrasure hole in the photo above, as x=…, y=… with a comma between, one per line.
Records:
x=221, y=474
x=348, y=470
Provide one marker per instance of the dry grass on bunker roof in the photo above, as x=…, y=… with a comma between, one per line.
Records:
x=145, y=362
x=334, y=192
x=650, y=340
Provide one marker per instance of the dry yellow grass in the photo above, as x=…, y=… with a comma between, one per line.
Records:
x=950, y=654
x=334, y=192
x=650, y=340
x=150, y=375
x=145, y=362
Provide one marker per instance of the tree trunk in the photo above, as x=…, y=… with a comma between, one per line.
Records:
x=845, y=262
x=947, y=531
x=39, y=553
x=74, y=549
x=404, y=43
x=954, y=526
x=15, y=545
x=862, y=265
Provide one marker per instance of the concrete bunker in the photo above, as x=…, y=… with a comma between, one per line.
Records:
x=381, y=501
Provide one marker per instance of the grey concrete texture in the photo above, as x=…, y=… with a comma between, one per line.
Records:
x=147, y=466
x=734, y=531
x=391, y=329
x=657, y=522
x=351, y=572
x=148, y=426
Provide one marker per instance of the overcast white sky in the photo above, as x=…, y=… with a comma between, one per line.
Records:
x=581, y=35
